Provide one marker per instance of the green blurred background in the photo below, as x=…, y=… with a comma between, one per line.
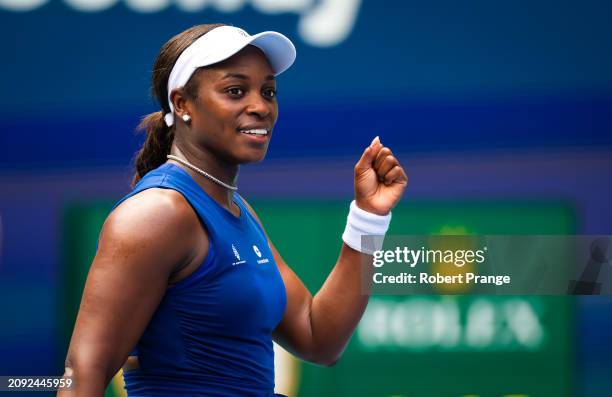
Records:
x=499, y=112
x=405, y=345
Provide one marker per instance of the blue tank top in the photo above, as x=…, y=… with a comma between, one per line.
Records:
x=211, y=335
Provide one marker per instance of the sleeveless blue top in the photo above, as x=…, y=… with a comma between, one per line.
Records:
x=211, y=335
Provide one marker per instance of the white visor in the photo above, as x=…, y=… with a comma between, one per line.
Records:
x=220, y=44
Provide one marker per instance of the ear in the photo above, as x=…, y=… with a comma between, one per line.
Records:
x=180, y=101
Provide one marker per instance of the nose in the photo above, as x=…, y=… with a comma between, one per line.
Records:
x=258, y=106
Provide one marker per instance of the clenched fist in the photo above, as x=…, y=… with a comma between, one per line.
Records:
x=380, y=180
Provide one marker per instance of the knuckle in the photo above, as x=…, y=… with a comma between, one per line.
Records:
x=390, y=160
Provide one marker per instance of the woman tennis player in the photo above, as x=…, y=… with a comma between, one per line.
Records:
x=186, y=291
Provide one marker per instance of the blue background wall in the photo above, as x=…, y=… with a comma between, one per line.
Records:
x=480, y=100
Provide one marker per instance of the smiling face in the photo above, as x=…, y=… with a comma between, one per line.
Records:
x=235, y=108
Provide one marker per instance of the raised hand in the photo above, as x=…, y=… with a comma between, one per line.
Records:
x=380, y=180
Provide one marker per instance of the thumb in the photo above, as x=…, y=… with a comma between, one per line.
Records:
x=368, y=156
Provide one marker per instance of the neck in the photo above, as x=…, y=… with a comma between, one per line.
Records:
x=214, y=166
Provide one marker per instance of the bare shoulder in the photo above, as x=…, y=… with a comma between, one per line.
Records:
x=156, y=222
x=153, y=207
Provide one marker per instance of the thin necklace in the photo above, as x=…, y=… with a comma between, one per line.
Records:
x=202, y=172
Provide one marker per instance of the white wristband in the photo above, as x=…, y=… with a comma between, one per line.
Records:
x=360, y=223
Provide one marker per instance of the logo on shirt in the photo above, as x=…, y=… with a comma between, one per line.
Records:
x=237, y=255
x=239, y=260
x=258, y=253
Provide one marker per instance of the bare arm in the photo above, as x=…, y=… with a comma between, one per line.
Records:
x=318, y=328
x=141, y=244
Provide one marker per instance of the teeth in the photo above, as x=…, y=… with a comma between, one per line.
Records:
x=260, y=131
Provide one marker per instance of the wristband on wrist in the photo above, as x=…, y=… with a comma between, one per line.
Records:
x=362, y=223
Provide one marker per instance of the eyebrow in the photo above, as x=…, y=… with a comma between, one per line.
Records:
x=244, y=77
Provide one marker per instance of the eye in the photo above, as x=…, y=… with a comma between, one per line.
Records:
x=269, y=93
x=235, y=91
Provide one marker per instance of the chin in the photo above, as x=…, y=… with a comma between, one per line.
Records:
x=253, y=157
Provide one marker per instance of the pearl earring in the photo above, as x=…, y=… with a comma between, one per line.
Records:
x=186, y=118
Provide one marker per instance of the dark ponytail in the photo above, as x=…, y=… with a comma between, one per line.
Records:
x=159, y=136
x=156, y=146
